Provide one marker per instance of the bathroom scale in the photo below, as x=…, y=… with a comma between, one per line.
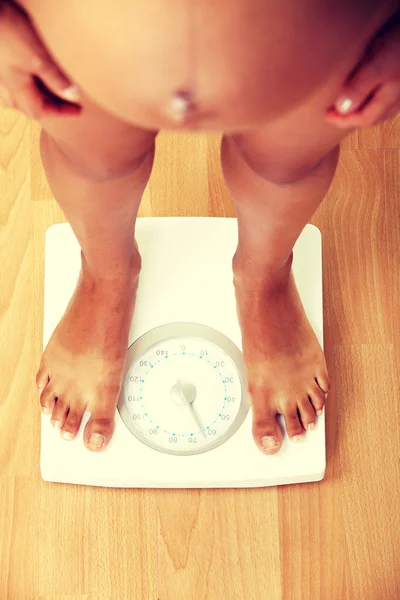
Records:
x=183, y=418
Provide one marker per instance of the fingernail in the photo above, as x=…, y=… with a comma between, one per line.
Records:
x=319, y=413
x=96, y=439
x=298, y=438
x=67, y=435
x=46, y=410
x=310, y=426
x=56, y=424
x=72, y=93
x=344, y=105
x=269, y=442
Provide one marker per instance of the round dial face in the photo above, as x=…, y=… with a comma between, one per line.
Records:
x=184, y=389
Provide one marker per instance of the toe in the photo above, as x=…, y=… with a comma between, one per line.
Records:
x=42, y=378
x=322, y=381
x=294, y=427
x=60, y=412
x=307, y=414
x=72, y=423
x=47, y=399
x=98, y=431
x=317, y=398
x=266, y=432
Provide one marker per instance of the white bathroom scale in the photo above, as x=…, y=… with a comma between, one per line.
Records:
x=183, y=418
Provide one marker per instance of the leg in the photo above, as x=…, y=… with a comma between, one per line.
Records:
x=277, y=178
x=98, y=169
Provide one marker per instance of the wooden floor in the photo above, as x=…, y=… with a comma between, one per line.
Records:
x=334, y=540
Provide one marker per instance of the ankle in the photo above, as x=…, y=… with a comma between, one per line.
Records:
x=128, y=269
x=246, y=270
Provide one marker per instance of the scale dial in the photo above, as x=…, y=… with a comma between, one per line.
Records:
x=184, y=389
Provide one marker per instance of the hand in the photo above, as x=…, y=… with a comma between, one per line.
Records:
x=372, y=93
x=29, y=78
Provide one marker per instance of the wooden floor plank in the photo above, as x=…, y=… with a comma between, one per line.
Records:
x=370, y=471
x=383, y=135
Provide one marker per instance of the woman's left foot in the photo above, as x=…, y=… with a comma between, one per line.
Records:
x=285, y=364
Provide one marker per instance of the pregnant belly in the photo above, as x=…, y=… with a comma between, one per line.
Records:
x=244, y=63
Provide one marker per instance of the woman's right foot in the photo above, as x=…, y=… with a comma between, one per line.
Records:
x=83, y=363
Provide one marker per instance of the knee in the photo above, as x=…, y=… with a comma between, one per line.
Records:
x=99, y=167
x=280, y=166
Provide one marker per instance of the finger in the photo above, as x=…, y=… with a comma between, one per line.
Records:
x=31, y=101
x=54, y=104
x=55, y=80
x=28, y=100
x=357, y=91
x=385, y=100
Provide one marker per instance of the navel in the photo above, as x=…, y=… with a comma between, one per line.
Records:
x=181, y=105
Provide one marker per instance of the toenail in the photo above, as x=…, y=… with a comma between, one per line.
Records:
x=96, y=439
x=46, y=410
x=56, y=424
x=319, y=413
x=67, y=435
x=269, y=442
x=310, y=426
x=298, y=438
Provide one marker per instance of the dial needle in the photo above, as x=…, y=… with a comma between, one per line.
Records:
x=189, y=405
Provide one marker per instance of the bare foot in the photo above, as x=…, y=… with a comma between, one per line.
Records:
x=83, y=363
x=285, y=364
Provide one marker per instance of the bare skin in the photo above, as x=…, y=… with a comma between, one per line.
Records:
x=86, y=354
x=278, y=157
x=292, y=383
x=82, y=365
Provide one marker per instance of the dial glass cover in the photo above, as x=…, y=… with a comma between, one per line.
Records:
x=184, y=389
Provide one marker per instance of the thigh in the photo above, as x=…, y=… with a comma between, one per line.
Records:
x=97, y=142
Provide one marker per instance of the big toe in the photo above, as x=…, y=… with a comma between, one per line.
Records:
x=266, y=432
x=98, y=431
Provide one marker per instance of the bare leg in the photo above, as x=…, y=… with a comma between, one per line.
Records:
x=285, y=364
x=98, y=169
